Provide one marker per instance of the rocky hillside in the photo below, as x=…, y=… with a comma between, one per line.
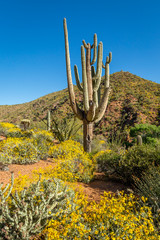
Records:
x=133, y=99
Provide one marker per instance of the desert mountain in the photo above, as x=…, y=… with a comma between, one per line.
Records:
x=132, y=100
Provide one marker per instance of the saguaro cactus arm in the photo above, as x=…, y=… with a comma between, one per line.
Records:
x=76, y=109
x=104, y=101
x=102, y=106
x=99, y=67
x=88, y=72
x=84, y=79
x=85, y=44
x=80, y=87
x=95, y=49
x=108, y=59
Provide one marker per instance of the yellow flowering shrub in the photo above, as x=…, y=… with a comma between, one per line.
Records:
x=43, y=134
x=66, y=149
x=73, y=164
x=42, y=140
x=10, y=130
x=18, y=150
x=113, y=218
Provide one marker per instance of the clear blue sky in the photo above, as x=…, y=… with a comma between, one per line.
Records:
x=32, y=57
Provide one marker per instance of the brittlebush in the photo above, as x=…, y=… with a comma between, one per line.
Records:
x=114, y=218
x=72, y=163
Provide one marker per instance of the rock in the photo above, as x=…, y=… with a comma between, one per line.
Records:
x=4, y=167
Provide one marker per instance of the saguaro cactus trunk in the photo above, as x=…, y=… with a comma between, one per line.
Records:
x=87, y=135
x=94, y=105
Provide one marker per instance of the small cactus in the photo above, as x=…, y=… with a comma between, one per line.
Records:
x=25, y=123
x=139, y=140
x=27, y=212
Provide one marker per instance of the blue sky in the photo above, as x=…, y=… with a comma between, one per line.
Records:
x=32, y=57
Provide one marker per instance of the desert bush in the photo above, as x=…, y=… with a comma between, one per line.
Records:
x=126, y=163
x=99, y=143
x=139, y=158
x=150, y=133
x=148, y=186
x=106, y=160
x=72, y=162
x=24, y=214
x=43, y=134
x=42, y=140
x=18, y=150
x=66, y=149
x=65, y=128
x=114, y=217
x=109, y=162
x=10, y=130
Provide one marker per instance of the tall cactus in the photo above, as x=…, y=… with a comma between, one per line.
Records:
x=48, y=120
x=94, y=105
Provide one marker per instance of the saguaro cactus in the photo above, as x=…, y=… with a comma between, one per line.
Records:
x=94, y=105
x=25, y=123
x=48, y=120
x=139, y=140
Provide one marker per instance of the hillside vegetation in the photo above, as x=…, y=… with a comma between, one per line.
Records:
x=49, y=203
x=131, y=95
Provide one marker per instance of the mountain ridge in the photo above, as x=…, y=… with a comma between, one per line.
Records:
x=143, y=94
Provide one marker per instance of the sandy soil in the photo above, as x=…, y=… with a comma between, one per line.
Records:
x=93, y=190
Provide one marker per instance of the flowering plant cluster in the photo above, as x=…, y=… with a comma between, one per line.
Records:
x=10, y=130
x=18, y=150
x=114, y=217
x=42, y=139
x=72, y=163
x=24, y=147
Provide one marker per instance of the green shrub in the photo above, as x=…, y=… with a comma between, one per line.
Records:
x=142, y=156
x=148, y=186
x=126, y=163
x=138, y=159
x=150, y=133
x=65, y=128
x=109, y=162
x=99, y=143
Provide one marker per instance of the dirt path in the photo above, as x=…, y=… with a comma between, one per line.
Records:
x=93, y=190
x=5, y=176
